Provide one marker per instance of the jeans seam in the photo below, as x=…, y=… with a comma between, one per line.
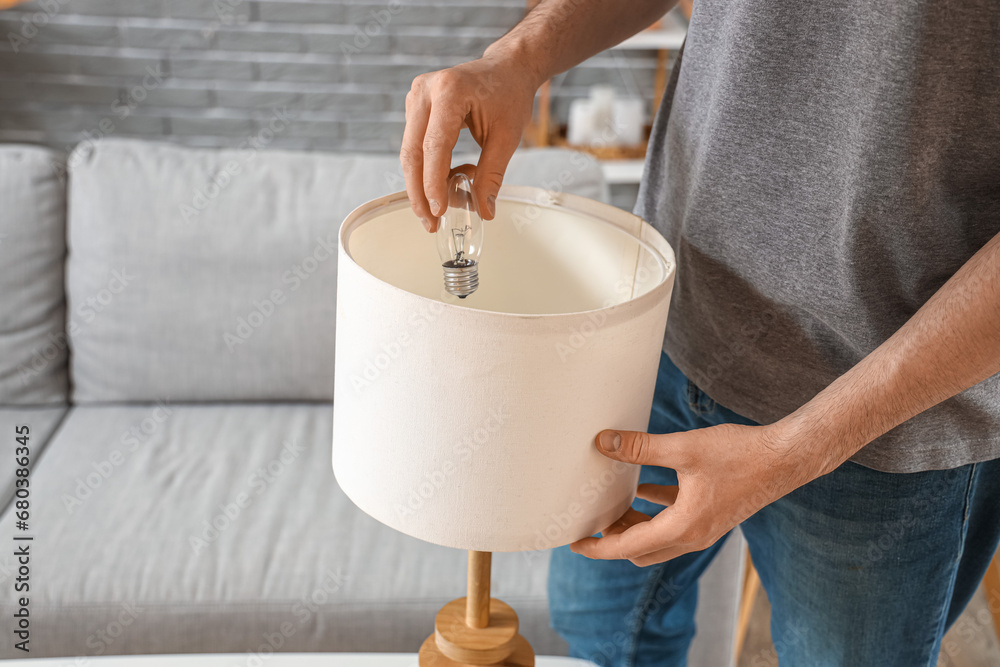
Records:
x=943, y=617
x=642, y=605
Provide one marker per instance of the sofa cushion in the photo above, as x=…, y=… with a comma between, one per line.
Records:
x=33, y=346
x=206, y=528
x=41, y=423
x=217, y=268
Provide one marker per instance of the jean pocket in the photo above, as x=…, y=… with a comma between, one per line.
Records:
x=699, y=402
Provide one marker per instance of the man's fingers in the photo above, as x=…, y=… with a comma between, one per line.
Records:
x=660, y=556
x=411, y=155
x=641, y=448
x=627, y=520
x=466, y=168
x=658, y=493
x=638, y=540
x=439, y=140
x=493, y=160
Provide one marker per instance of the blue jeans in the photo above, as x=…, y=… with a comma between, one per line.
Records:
x=862, y=568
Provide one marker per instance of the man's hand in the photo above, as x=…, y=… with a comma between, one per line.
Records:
x=725, y=474
x=491, y=98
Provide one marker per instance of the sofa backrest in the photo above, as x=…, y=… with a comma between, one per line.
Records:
x=33, y=345
x=210, y=275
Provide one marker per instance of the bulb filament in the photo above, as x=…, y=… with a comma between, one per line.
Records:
x=459, y=236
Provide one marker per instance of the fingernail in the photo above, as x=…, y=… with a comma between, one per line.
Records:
x=426, y=223
x=491, y=204
x=610, y=441
x=434, y=207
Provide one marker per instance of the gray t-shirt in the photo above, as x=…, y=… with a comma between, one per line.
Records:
x=821, y=169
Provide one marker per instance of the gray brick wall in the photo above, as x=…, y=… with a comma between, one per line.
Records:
x=212, y=72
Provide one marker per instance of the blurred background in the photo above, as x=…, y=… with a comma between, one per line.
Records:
x=214, y=72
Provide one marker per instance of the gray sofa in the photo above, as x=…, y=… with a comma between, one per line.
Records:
x=167, y=332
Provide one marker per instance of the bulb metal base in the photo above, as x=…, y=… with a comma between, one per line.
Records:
x=461, y=280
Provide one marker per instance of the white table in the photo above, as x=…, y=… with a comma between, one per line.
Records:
x=254, y=660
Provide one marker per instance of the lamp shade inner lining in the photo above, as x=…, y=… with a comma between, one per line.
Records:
x=536, y=260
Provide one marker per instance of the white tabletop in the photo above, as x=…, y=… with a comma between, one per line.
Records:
x=276, y=660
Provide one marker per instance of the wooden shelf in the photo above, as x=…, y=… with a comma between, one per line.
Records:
x=621, y=165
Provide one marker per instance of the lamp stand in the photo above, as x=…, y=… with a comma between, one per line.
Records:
x=477, y=629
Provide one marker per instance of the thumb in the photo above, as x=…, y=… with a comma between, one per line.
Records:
x=490, y=171
x=633, y=447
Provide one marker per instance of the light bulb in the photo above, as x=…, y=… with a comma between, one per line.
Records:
x=460, y=238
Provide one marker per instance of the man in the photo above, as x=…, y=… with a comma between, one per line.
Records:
x=829, y=176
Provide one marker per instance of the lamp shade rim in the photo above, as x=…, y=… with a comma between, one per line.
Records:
x=598, y=211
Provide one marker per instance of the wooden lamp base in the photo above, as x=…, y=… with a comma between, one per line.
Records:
x=477, y=630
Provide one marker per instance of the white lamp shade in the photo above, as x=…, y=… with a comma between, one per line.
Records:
x=471, y=423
